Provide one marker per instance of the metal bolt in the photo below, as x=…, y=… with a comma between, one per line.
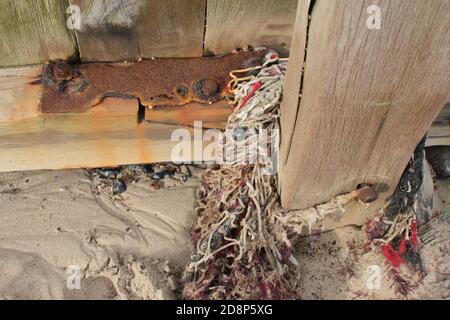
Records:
x=63, y=71
x=210, y=87
x=182, y=90
x=366, y=194
x=207, y=89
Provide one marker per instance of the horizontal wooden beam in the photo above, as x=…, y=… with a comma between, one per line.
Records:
x=213, y=115
x=106, y=135
x=49, y=121
x=439, y=132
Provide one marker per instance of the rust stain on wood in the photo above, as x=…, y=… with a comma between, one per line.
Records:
x=213, y=115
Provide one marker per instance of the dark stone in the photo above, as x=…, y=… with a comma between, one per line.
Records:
x=159, y=175
x=134, y=167
x=439, y=159
x=119, y=186
x=108, y=172
x=148, y=168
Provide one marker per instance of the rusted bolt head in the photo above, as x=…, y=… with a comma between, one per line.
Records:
x=182, y=90
x=210, y=87
x=63, y=71
x=366, y=194
x=75, y=86
x=207, y=89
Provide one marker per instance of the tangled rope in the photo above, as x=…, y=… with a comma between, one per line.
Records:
x=241, y=252
x=395, y=229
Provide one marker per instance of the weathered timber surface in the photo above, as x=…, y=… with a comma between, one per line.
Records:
x=368, y=96
x=293, y=80
x=118, y=30
x=213, y=115
x=107, y=135
x=439, y=133
x=32, y=32
x=19, y=97
x=235, y=24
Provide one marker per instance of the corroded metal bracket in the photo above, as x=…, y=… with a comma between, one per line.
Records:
x=159, y=82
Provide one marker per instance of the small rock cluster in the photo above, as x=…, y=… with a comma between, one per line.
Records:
x=117, y=178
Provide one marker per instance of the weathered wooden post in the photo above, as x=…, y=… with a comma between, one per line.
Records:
x=375, y=76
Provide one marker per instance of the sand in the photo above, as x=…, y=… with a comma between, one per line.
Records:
x=50, y=220
x=336, y=264
x=134, y=246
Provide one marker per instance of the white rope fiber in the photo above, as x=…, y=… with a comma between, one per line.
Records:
x=238, y=254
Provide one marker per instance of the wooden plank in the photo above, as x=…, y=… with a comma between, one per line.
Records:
x=107, y=135
x=118, y=30
x=19, y=97
x=368, y=96
x=439, y=133
x=213, y=115
x=34, y=31
x=235, y=24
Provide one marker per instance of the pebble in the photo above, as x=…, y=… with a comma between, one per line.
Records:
x=439, y=159
x=108, y=173
x=148, y=168
x=134, y=167
x=159, y=175
x=119, y=186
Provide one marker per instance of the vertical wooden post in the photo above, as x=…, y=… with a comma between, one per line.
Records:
x=117, y=30
x=232, y=24
x=367, y=98
x=32, y=32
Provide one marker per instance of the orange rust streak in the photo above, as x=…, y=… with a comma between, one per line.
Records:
x=212, y=115
x=142, y=145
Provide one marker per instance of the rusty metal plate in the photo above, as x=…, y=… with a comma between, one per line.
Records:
x=76, y=88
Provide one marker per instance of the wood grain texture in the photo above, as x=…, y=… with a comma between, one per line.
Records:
x=368, y=96
x=34, y=31
x=118, y=30
x=232, y=24
x=19, y=97
x=214, y=115
x=107, y=135
x=293, y=80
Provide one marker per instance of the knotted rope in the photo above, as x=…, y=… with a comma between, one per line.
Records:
x=241, y=252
